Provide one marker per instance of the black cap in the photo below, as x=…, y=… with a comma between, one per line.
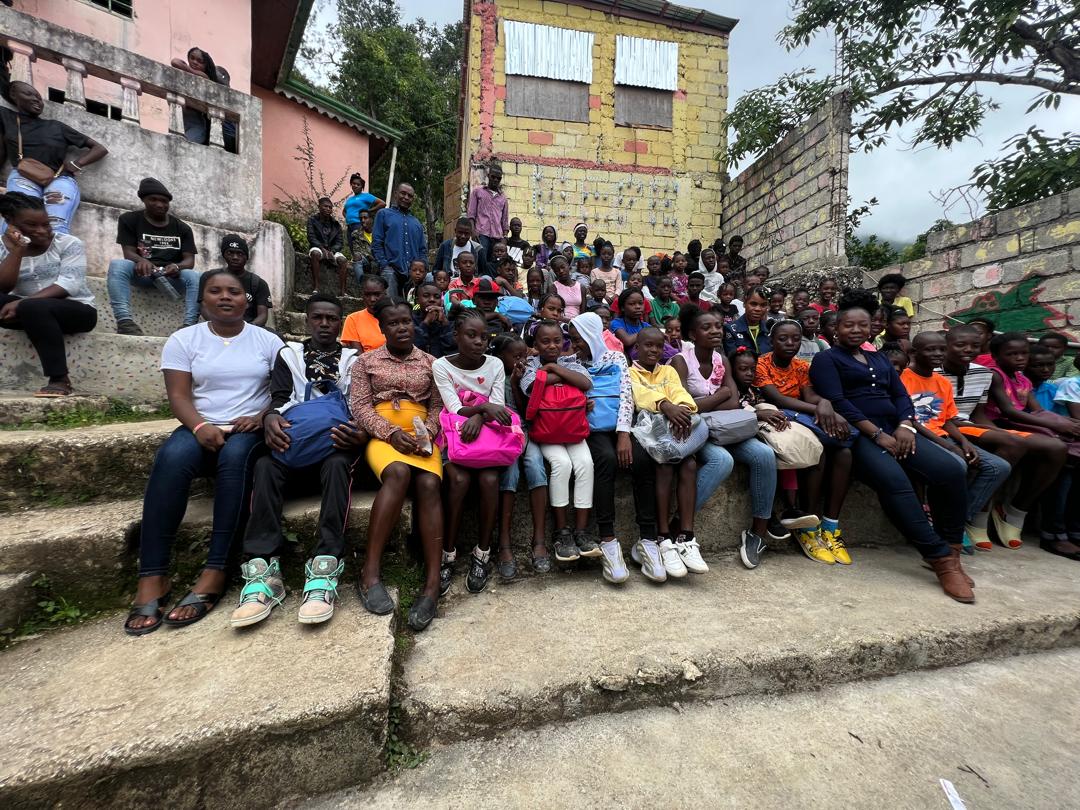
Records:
x=151, y=185
x=486, y=286
x=233, y=242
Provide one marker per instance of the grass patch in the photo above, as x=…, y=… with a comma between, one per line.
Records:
x=400, y=755
x=401, y=572
x=52, y=611
x=116, y=411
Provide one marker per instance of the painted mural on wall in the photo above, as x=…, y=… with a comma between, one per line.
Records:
x=1017, y=309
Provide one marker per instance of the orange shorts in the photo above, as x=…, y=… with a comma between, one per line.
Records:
x=970, y=430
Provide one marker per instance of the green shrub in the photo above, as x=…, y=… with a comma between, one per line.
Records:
x=296, y=228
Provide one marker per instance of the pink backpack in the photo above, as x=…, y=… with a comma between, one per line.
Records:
x=496, y=446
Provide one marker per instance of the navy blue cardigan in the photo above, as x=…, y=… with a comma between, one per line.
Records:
x=857, y=392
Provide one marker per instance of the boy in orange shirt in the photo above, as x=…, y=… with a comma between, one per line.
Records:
x=936, y=419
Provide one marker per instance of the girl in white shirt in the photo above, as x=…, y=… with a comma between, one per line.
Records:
x=472, y=370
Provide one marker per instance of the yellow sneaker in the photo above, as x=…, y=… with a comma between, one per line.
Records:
x=833, y=542
x=810, y=542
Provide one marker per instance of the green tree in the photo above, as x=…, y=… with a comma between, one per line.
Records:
x=870, y=253
x=917, y=249
x=927, y=64
x=406, y=75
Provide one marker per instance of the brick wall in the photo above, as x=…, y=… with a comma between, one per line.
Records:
x=790, y=204
x=1018, y=267
x=652, y=187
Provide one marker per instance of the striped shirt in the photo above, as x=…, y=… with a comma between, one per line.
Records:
x=970, y=389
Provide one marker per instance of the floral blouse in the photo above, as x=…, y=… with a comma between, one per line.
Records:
x=379, y=376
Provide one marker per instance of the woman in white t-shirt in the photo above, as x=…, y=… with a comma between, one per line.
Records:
x=217, y=375
x=470, y=370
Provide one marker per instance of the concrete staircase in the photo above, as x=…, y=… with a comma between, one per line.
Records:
x=207, y=715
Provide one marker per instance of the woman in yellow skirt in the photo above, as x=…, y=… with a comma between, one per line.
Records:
x=390, y=386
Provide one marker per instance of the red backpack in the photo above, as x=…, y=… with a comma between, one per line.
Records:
x=556, y=413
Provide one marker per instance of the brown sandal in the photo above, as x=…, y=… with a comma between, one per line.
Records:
x=54, y=390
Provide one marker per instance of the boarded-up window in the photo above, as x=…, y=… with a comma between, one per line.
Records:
x=642, y=107
x=551, y=99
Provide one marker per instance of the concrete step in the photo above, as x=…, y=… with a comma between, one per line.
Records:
x=291, y=323
x=349, y=303
x=89, y=552
x=30, y=412
x=558, y=648
x=720, y=524
x=16, y=598
x=204, y=716
x=1004, y=733
x=150, y=309
x=107, y=461
x=100, y=364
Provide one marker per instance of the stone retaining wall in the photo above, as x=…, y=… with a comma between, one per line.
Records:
x=790, y=205
x=1017, y=267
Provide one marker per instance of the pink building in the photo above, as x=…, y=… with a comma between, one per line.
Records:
x=345, y=140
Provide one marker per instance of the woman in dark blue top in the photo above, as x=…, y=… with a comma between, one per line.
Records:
x=751, y=330
x=865, y=389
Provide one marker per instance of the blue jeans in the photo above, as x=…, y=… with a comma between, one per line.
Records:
x=60, y=213
x=535, y=471
x=946, y=490
x=122, y=273
x=715, y=464
x=983, y=481
x=178, y=462
x=394, y=280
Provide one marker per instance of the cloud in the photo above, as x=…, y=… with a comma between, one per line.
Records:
x=901, y=178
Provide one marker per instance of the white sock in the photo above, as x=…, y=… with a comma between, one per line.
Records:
x=481, y=554
x=449, y=556
x=1015, y=517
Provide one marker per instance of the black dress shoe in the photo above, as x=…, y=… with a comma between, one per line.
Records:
x=376, y=599
x=508, y=569
x=422, y=612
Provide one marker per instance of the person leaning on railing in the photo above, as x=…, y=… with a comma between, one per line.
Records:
x=37, y=149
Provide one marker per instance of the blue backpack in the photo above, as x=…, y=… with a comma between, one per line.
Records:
x=516, y=310
x=605, y=394
x=309, y=435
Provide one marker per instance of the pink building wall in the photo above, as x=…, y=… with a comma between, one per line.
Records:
x=165, y=29
x=161, y=30
x=339, y=150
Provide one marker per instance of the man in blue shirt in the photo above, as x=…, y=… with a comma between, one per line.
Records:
x=397, y=238
x=359, y=202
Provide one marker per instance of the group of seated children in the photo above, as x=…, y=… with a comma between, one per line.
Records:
x=470, y=383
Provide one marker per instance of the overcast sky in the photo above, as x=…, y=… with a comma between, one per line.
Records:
x=901, y=179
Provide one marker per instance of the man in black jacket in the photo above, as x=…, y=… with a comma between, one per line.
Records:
x=326, y=240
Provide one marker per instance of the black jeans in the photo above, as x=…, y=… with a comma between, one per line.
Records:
x=46, y=321
x=946, y=490
x=264, y=537
x=643, y=471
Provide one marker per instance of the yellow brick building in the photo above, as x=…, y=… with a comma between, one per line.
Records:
x=603, y=111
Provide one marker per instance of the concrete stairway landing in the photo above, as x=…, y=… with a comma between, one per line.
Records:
x=201, y=704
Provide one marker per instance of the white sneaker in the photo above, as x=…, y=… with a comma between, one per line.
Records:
x=647, y=554
x=614, y=564
x=673, y=563
x=690, y=554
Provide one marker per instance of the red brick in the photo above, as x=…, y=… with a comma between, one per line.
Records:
x=594, y=102
x=500, y=91
x=541, y=138
x=638, y=147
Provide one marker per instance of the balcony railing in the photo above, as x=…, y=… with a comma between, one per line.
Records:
x=32, y=40
x=210, y=185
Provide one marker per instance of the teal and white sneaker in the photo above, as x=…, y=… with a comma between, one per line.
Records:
x=263, y=591
x=320, y=590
